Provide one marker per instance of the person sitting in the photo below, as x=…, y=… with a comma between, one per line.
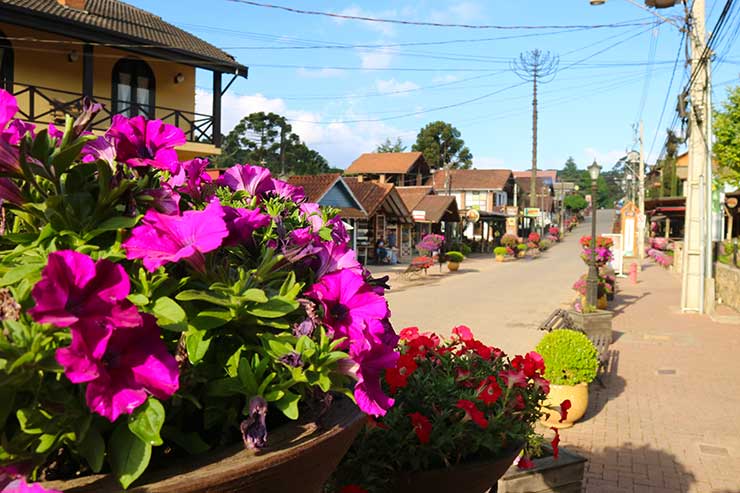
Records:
x=381, y=253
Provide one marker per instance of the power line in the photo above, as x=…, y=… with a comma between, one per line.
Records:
x=422, y=23
x=648, y=72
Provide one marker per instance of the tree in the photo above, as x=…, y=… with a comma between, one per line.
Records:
x=389, y=146
x=570, y=171
x=575, y=202
x=266, y=139
x=442, y=147
x=727, y=138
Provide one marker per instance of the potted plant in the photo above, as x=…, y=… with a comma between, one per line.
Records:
x=545, y=245
x=521, y=250
x=501, y=253
x=509, y=240
x=581, y=285
x=454, y=259
x=553, y=470
x=571, y=363
x=603, y=250
x=154, y=314
x=462, y=412
x=554, y=233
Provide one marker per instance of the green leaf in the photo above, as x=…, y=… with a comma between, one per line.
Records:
x=7, y=399
x=275, y=308
x=246, y=375
x=195, y=295
x=254, y=294
x=92, y=448
x=138, y=299
x=46, y=442
x=196, y=344
x=147, y=421
x=23, y=271
x=211, y=319
x=29, y=421
x=289, y=405
x=170, y=315
x=112, y=224
x=128, y=455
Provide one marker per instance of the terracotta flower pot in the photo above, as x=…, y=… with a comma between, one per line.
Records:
x=300, y=457
x=500, y=258
x=578, y=397
x=476, y=477
x=453, y=266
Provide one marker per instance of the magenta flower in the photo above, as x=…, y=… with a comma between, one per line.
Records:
x=164, y=199
x=16, y=130
x=242, y=223
x=121, y=367
x=11, y=131
x=99, y=149
x=287, y=191
x=75, y=290
x=254, y=180
x=9, y=159
x=8, y=107
x=191, y=177
x=161, y=239
x=348, y=302
x=9, y=192
x=141, y=142
x=336, y=256
x=312, y=213
x=372, y=358
x=54, y=133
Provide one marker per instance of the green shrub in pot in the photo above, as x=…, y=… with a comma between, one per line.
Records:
x=455, y=257
x=570, y=358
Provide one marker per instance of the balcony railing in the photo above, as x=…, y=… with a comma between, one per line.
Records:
x=46, y=105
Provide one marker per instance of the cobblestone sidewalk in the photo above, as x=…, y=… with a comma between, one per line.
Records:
x=668, y=419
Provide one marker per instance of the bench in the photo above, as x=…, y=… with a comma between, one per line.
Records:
x=417, y=265
x=560, y=320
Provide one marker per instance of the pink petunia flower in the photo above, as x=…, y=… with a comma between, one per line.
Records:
x=514, y=378
x=287, y=191
x=121, y=366
x=8, y=107
x=255, y=180
x=9, y=192
x=242, y=223
x=336, y=256
x=74, y=289
x=191, y=177
x=99, y=149
x=162, y=239
x=163, y=199
x=312, y=213
x=141, y=142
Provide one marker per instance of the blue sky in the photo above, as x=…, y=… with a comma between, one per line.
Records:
x=344, y=101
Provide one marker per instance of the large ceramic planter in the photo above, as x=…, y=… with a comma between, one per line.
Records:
x=500, y=258
x=453, y=266
x=300, y=458
x=578, y=397
x=476, y=477
x=564, y=475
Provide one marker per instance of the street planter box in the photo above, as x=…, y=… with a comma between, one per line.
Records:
x=564, y=475
x=595, y=325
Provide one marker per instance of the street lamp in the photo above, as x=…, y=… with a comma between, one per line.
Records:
x=592, y=280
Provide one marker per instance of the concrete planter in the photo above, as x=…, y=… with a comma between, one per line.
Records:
x=598, y=323
x=564, y=475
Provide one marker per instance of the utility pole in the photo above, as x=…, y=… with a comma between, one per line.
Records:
x=641, y=199
x=696, y=239
x=535, y=66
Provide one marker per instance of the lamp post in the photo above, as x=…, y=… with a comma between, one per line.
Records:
x=592, y=280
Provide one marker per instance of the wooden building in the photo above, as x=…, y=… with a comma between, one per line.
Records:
x=398, y=168
x=431, y=213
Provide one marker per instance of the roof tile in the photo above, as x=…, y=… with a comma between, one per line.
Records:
x=384, y=162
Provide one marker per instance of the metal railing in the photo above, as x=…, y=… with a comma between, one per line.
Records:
x=39, y=104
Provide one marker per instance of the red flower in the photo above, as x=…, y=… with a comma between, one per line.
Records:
x=481, y=349
x=374, y=423
x=422, y=426
x=542, y=384
x=555, y=442
x=409, y=333
x=420, y=345
x=519, y=402
x=525, y=463
x=489, y=391
x=532, y=364
x=564, y=406
x=513, y=378
x=463, y=333
x=397, y=377
x=352, y=488
x=472, y=412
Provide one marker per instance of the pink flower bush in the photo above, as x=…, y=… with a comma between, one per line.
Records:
x=242, y=223
x=255, y=180
x=141, y=142
x=121, y=366
x=162, y=238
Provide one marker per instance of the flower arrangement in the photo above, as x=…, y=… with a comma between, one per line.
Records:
x=454, y=256
x=545, y=244
x=534, y=237
x=501, y=251
x=430, y=243
x=603, y=287
x=509, y=241
x=149, y=306
x=603, y=250
x=660, y=257
x=457, y=400
x=521, y=247
x=569, y=357
x=554, y=231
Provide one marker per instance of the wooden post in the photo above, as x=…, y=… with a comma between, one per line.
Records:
x=216, y=114
x=87, y=71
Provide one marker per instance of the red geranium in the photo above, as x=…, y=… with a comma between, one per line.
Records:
x=463, y=333
x=472, y=412
x=420, y=345
x=481, y=349
x=489, y=391
x=532, y=364
x=409, y=333
x=397, y=377
x=422, y=427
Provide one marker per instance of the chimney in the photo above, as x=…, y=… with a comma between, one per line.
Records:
x=73, y=4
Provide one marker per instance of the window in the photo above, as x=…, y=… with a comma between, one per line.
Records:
x=501, y=198
x=6, y=64
x=133, y=88
x=476, y=200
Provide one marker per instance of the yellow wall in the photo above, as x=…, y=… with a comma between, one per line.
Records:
x=47, y=65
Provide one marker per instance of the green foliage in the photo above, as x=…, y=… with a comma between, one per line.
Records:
x=521, y=247
x=442, y=146
x=462, y=247
x=575, y=202
x=570, y=358
x=545, y=245
x=726, y=147
x=500, y=251
x=455, y=256
x=509, y=240
x=389, y=146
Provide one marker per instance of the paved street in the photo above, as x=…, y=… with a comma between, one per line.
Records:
x=502, y=302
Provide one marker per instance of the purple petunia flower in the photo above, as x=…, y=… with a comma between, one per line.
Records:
x=164, y=199
x=99, y=149
x=162, y=239
x=75, y=290
x=9, y=192
x=141, y=142
x=8, y=107
x=121, y=366
x=254, y=428
x=336, y=256
x=287, y=191
x=254, y=180
x=191, y=177
x=242, y=224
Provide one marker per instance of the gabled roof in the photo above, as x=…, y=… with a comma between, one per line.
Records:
x=411, y=196
x=376, y=196
x=438, y=207
x=317, y=186
x=384, y=162
x=117, y=23
x=552, y=174
x=525, y=182
x=471, y=179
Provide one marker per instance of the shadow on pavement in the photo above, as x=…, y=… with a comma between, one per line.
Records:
x=622, y=301
x=613, y=387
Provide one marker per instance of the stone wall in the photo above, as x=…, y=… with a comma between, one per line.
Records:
x=727, y=285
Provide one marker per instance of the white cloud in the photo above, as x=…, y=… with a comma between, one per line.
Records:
x=234, y=107
x=323, y=73
x=394, y=86
x=381, y=27
x=375, y=59
x=458, y=12
x=445, y=78
x=487, y=162
x=605, y=158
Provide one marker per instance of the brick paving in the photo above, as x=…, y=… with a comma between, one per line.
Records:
x=667, y=420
